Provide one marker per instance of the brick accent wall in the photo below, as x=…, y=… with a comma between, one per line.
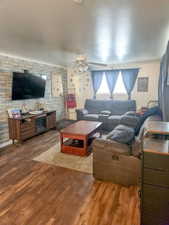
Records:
x=10, y=64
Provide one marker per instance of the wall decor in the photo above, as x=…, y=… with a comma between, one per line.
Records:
x=57, y=86
x=142, y=84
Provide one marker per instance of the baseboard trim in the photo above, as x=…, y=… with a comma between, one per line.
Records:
x=5, y=144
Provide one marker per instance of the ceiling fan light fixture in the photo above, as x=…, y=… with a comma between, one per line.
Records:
x=80, y=67
x=78, y=1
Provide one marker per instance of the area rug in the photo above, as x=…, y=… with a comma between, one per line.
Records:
x=53, y=156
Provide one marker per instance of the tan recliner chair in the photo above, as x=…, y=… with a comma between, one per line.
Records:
x=115, y=162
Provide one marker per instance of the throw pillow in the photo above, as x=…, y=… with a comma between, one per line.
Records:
x=122, y=134
x=105, y=112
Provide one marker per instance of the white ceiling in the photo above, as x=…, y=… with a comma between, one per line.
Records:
x=110, y=31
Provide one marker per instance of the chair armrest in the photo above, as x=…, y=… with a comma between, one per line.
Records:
x=106, y=145
x=137, y=148
x=80, y=113
x=112, y=162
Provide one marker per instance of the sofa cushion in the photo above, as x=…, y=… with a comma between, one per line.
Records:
x=120, y=107
x=117, y=107
x=131, y=121
x=122, y=134
x=112, y=122
x=92, y=117
x=115, y=119
x=96, y=106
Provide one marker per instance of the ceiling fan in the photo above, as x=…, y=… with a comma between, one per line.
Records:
x=81, y=64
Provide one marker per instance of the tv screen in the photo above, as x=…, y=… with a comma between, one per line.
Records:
x=27, y=86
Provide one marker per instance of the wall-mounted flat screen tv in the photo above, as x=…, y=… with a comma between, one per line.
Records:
x=27, y=86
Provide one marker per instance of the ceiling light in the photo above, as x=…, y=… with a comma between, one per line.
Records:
x=78, y=1
x=80, y=67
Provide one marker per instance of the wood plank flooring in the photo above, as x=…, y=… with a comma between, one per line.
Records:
x=34, y=193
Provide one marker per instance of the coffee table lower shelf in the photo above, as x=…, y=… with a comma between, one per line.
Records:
x=81, y=146
x=76, y=150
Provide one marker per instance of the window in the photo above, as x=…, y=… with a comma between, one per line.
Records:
x=44, y=77
x=104, y=89
x=119, y=87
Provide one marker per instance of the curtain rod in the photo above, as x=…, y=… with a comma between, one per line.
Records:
x=118, y=68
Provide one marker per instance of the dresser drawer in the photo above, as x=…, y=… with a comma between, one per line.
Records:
x=155, y=205
x=155, y=197
x=148, y=218
x=156, y=161
x=156, y=177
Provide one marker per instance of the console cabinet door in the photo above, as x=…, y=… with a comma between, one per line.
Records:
x=51, y=120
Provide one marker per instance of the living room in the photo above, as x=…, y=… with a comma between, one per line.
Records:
x=84, y=113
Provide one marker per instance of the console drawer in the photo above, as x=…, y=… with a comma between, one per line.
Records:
x=156, y=161
x=51, y=120
x=156, y=177
x=27, y=129
x=27, y=125
x=28, y=133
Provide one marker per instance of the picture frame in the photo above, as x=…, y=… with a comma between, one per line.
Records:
x=142, y=84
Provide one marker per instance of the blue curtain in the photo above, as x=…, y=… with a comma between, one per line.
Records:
x=111, y=77
x=96, y=81
x=163, y=87
x=129, y=78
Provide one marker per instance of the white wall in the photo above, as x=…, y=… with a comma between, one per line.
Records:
x=50, y=102
x=147, y=69
x=81, y=85
x=152, y=71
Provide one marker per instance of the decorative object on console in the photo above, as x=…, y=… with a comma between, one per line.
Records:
x=36, y=112
x=14, y=113
x=24, y=109
x=9, y=113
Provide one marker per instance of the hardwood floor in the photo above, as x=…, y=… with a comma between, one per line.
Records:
x=34, y=193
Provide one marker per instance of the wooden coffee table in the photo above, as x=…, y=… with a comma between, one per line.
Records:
x=77, y=138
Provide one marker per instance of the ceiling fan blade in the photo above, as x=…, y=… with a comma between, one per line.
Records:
x=98, y=64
